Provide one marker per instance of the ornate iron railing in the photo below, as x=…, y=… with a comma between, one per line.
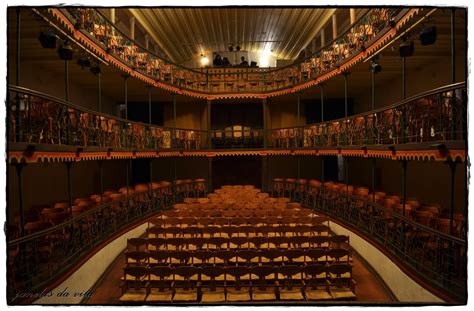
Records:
x=38, y=118
x=352, y=41
x=436, y=256
x=37, y=259
x=436, y=115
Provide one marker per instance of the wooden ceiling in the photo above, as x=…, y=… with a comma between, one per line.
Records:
x=184, y=33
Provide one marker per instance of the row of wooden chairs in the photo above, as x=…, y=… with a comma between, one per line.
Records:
x=238, y=231
x=214, y=284
x=237, y=221
x=257, y=242
x=238, y=257
x=238, y=213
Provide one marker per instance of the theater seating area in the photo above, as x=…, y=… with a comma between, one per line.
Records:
x=238, y=245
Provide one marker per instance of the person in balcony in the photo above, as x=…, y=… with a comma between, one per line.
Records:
x=244, y=62
x=217, y=61
x=225, y=62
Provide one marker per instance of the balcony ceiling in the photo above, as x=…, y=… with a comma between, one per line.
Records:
x=186, y=32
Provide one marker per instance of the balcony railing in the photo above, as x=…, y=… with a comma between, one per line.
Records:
x=436, y=256
x=45, y=253
x=438, y=115
x=355, y=39
x=38, y=118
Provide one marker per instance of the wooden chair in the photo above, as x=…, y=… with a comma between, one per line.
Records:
x=341, y=285
x=238, y=284
x=316, y=285
x=134, y=287
x=264, y=288
x=212, y=290
x=160, y=284
x=185, y=284
x=290, y=282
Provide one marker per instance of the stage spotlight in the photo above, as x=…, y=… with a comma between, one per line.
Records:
x=237, y=48
x=375, y=66
x=95, y=69
x=406, y=48
x=231, y=48
x=84, y=62
x=428, y=35
x=65, y=51
x=48, y=40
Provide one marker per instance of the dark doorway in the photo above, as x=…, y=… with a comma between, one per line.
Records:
x=139, y=112
x=236, y=170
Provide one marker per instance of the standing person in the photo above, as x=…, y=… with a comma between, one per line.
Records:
x=217, y=61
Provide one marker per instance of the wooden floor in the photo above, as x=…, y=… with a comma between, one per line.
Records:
x=368, y=288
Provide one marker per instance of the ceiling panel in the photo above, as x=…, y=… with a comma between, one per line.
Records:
x=185, y=32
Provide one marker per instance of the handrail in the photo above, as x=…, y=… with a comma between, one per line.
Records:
x=441, y=89
x=437, y=258
x=32, y=92
x=258, y=81
x=37, y=259
x=434, y=115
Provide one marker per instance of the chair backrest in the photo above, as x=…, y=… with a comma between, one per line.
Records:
x=136, y=258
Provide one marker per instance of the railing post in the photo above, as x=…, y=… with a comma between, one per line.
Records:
x=322, y=183
x=453, y=73
x=18, y=68
x=125, y=77
x=209, y=174
x=265, y=122
x=209, y=138
x=373, y=179
x=452, y=166
x=264, y=173
x=127, y=170
x=404, y=184
x=69, y=194
x=19, y=168
x=101, y=173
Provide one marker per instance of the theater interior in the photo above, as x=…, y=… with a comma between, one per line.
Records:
x=236, y=155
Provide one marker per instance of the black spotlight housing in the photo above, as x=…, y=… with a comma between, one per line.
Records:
x=48, y=40
x=428, y=35
x=406, y=48
x=375, y=66
x=84, y=62
x=65, y=51
x=237, y=48
x=231, y=48
x=96, y=69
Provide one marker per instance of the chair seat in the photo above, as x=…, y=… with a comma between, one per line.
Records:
x=342, y=293
x=156, y=295
x=317, y=294
x=238, y=295
x=291, y=294
x=185, y=295
x=133, y=296
x=263, y=295
x=217, y=295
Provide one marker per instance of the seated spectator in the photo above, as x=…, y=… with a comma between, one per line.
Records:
x=244, y=63
x=217, y=61
x=225, y=62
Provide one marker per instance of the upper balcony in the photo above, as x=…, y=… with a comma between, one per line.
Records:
x=358, y=42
